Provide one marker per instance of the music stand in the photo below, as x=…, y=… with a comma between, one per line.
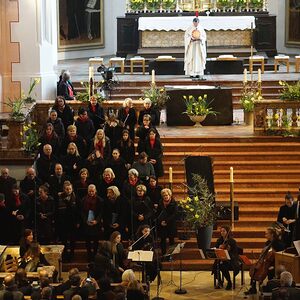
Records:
x=174, y=249
x=142, y=257
x=180, y=291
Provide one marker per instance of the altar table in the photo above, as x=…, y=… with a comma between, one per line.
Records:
x=234, y=31
x=220, y=97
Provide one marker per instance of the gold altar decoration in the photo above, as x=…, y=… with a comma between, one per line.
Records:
x=196, y=34
x=219, y=38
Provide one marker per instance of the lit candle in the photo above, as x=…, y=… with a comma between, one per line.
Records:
x=153, y=77
x=259, y=76
x=245, y=76
x=231, y=174
x=91, y=72
x=170, y=175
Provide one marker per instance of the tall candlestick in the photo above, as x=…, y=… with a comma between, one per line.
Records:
x=153, y=76
x=231, y=174
x=170, y=175
x=259, y=76
x=91, y=72
x=245, y=76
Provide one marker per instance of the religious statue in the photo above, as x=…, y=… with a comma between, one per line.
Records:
x=195, y=50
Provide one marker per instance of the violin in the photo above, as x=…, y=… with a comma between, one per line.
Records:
x=260, y=269
x=225, y=245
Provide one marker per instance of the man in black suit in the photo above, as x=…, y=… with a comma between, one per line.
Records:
x=286, y=291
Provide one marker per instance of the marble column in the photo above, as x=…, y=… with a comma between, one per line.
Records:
x=36, y=33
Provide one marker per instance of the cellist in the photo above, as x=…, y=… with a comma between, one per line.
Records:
x=265, y=264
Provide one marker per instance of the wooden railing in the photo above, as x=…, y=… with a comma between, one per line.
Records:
x=277, y=117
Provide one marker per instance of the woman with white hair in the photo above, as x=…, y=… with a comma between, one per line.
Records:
x=127, y=115
x=148, y=110
x=65, y=87
x=166, y=221
x=108, y=179
x=113, y=219
x=130, y=184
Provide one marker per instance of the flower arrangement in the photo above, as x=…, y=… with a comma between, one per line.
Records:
x=153, y=4
x=158, y=96
x=199, y=209
x=137, y=5
x=30, y=137
x=17, y=107
x=223, y=4
x=85, y=96
x=198, y=106
x=257, y=4
x=240, y=4
x=33, y=83
x=290, y=91
x=250, y=95
x=168, y=4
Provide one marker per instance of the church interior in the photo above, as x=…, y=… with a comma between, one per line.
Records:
x=149, y=149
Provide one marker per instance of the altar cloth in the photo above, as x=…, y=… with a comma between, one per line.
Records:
x=208, y=23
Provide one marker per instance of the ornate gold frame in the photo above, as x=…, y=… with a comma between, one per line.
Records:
x=92, y=44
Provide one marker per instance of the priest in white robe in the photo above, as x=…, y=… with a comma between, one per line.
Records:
x=195, y=50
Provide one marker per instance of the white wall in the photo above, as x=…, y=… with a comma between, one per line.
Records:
x=277, y=7
x=37, y=34
x=112, y=10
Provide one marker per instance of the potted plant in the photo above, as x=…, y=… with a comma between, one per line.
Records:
x=33, y=83
x=198, y=108
x=168, y=4
x=290, y=91
x=137, y=5
x=30, y=137
x=158, y=97
x=223, y=4
x=256, y=4
x=250, y=95
x=85, y=95
x=153, y=5
x=240, y=5
x=200, y=211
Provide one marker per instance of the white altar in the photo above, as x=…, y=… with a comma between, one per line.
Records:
x=222, y=31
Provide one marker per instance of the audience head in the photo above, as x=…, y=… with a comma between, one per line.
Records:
x=58, y=170
x=93, y=101
x=21, y=275
x=135, y=291
x=92, y=191
x=84, y=173
x=105, y=248
x=125, y=135
x=115, y=237
x=30, y=173
x=72, y=131
x=9, y=281
x=141, y=190
x=15, y=190
x=72, y=272
x=46, y=293
x=133, y=174
x=49, y=129
x=166, y=195
x=286, y=279
x=44, y=281
x=82, y=113
x=289, y=200
x=100, y=134
x=108, y=174
x=152, y=134
x=47, y=150
x=76, y=297
x=147, y=103
x=60, y=101
x=72, y=149
x=5, y=173
x=113, y=192
x=75, y=280
x=128, y=276
x=127, y=102
x=53, y=115
x=279, y=270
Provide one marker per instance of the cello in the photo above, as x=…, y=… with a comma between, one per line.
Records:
x=259, y=271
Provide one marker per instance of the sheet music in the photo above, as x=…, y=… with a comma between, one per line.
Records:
x=297, y=246
x=140, y=255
